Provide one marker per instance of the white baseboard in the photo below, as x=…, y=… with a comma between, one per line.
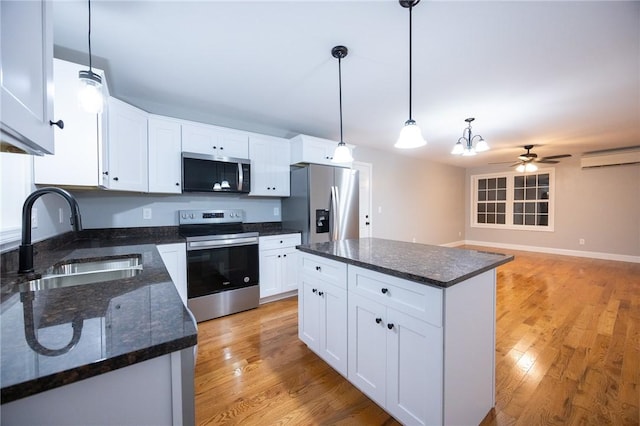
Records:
x=550, y=250
x=454, y=244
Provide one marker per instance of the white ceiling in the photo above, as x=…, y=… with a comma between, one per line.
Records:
x=561, y=75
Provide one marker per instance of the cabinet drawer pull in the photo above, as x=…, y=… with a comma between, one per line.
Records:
x=318, y=268
x=320, y=293
x=315, y=290
x=385, y=290
x=390, y=326
x=177, y=183
x=115, y=178
x=378, y=320
x=284, y=255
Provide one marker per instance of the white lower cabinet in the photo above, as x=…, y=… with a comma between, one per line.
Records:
x=174, y=257
x=396, y=360
x=278, y=265
x=322, y=313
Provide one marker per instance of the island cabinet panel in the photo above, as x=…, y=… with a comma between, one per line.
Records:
x=322, y=313
x=396, y=359
x=470, y=319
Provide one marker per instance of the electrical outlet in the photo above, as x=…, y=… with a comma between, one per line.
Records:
x=379, y=209
x=581, y=241
x=459, y=233
x=276, y=211
x=60, y=215
x=146, y=213
x=34, y=218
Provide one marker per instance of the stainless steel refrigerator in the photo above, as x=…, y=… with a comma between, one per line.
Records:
x=323, y=203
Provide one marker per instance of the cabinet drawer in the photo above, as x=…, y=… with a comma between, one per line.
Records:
x=279, y=241
x=327, y=270
x=415, y=299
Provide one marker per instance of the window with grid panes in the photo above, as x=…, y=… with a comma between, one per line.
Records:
x=513, y=200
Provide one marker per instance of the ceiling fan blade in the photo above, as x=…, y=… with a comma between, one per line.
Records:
x=547, y=161
x=501, y=162
x=515, y=164
x=553, y=157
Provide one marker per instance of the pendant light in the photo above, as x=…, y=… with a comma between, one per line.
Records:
x=90, y=94
x=466, y=146
x=342, y=154
x=410, y=135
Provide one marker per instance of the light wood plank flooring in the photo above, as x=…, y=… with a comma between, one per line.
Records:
x=567, y=352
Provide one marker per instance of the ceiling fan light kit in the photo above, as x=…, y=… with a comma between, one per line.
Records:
x=342, y=153
x=467, y=144
x=526, y=161
x=410, y=135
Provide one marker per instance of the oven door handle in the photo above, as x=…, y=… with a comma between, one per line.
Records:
x=202, y=245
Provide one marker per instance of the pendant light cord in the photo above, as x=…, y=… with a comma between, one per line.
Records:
x=340, y=93
x=410, y=64
x=90, y=68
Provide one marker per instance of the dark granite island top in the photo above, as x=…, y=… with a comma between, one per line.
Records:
x=436, y=266
x=50, y=338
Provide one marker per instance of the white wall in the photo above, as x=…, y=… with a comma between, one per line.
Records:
x=601, y=206
x=414, y=198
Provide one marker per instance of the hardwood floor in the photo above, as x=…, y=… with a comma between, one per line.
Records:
x=567, y=352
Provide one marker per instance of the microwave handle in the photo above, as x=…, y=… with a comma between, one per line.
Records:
x=240, y=177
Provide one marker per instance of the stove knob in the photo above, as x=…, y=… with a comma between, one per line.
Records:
x=192, y=216
x=184, y=215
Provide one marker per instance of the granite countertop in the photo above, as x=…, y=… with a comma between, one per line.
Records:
x=436, y=266
x=50, y=338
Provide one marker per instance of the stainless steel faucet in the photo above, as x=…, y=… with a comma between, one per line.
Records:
x=26, y=248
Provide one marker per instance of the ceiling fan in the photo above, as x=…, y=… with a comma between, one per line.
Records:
x=526, y=160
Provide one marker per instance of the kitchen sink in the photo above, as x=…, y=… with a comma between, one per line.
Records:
x=80, y=272
x=80, y=266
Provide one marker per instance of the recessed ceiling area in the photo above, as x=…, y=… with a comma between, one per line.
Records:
x=563, y=76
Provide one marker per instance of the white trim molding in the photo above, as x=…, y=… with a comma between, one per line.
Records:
x=551, y=250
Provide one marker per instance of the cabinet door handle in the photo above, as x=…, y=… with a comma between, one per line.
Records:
x=385, y=290
x=215, y=147
x=278, y=255
x=115, y=178
x=390, y=326
x=320, y=293
x=315, y=290
x=367, y=223
x=58, y=123
x=284, y=255
x=105, y=173
x=318, y=268
x=177, y=183
x=378, y=320
x=221, y=148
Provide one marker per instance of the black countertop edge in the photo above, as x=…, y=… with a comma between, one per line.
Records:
x=53, y=381
x=406, y=275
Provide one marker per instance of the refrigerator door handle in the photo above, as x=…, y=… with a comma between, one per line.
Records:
x=333, y=214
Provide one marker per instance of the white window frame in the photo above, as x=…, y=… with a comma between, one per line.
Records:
x=510, y=201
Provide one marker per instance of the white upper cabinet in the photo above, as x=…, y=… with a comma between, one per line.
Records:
x=81, y=138
x=26, y=38
x=127, y=149
x=269, y=166
x=311, y=150
x=165, y=172
x=214, y=140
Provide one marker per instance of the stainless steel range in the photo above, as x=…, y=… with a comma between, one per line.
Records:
x=222, y=263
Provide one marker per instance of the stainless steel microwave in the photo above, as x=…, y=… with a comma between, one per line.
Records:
x=206, y=173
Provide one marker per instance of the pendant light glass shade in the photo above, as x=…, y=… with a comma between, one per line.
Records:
x=342, y=154
x=90, y=96
x=90, y=93
x=410, y=136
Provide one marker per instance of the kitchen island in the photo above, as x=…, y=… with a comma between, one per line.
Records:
x=411, y=325
x=114, y=352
